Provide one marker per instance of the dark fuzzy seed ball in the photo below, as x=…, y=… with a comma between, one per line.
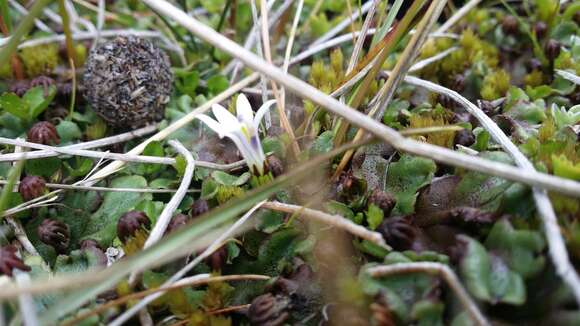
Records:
x=540, y=29
x=268, y=309
x=55, y=234
x=275, y=165
x=383, y=200
x=130, y=223
x=199, y=207
x=128, y=82
x=20, y=87
x=43, y=132
x=177, y=222
x=552, y=49
x=398, y=233
x=509, y=25
x=464, y=137
x=43, y=81
x=10, y=261
x=31, y=187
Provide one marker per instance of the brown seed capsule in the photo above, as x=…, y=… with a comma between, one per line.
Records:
x=32, y=187
x=44, y=133
x=464, y=137
x=10, y=261
x=269, y=310
x=43, y=81
x=128, y=82
x=552, y=49
x=275, y=165
x=55, y=234
x=540, y=29
x=130, y=223
x=217, y=259
x=199, y=207
x=398, y=232
x=20, y=87
x=509, y=25
x=177, y=222
x=383, y=200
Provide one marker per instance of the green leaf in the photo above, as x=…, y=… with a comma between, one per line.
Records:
x=36, y=100
x=374, y=216
x=68, y=131
x=81, y=167
x=209, y=188
x=15, y=105
x=335, y=207
x=323, y=143
x=520, y=249
x=186, y=81
x=475, y=268
x=44, y=167
x=226, y=179
x=154, y=148
x=405, y=177
x=217, y=84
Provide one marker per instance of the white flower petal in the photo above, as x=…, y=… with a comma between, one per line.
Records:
x=224, y=116
x=261, y=112
x=212, y=124
x=244, y=109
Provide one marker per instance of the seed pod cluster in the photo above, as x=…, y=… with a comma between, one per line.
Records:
x=31, y=187
x=55, y=234
x=44, y=133
x=130, y=223
x=128, y=82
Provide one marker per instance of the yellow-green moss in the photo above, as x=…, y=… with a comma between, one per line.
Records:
x=495, y=85
x=39, y=60
x=534, y=78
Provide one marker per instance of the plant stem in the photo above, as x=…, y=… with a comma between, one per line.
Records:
x=70, y=47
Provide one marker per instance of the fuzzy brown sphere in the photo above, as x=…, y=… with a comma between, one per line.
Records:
x=31, y=187
x=130, y=223
x=43, y=132
x=128, y=82
x=54, y=233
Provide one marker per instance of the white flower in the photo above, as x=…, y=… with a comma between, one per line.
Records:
x=241, y=129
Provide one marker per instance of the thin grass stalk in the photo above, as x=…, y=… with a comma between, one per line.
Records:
x=380, y=52
x=403, y=64
x=70, y=47
x=284, y=122
x=381, y=131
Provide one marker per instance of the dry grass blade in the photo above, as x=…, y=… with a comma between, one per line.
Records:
x=439, y=269
x=333, y=220
x=458, y=15
x=362, y=121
